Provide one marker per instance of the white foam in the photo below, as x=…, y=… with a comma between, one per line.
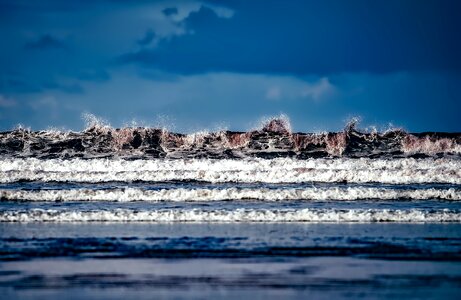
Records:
x=281, y=170
x=237, y=215
x=264, y=194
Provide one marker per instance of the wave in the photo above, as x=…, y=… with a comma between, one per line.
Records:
x=262, y=194
x=236, y=215
x=274, y=139
x=280, y=170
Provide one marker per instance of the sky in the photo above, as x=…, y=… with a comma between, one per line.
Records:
x=210, y=65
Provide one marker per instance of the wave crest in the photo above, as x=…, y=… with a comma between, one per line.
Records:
x=273, y=139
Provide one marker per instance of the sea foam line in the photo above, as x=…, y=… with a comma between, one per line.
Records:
x=237, y=215
x=283, y=170
x=262, y=194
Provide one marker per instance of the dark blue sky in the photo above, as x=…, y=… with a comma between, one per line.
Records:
x=195, y=65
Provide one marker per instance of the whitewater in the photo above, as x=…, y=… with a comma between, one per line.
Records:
x=265, y=175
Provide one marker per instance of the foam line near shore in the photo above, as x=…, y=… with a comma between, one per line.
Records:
x=235, y=215
x=261, y=194
x=281, y=170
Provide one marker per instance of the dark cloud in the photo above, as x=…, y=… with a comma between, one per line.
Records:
x=320, y=37
x=149, y=36
x=169, y=11
x=45, y=42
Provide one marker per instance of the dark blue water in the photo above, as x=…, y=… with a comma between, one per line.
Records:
x=289, y=260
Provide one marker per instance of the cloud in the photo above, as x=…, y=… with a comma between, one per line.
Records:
x=23, y=84
x=318, y=89
x=273, y=93
x=164, y=22
x=196, y=102
x=149, y=36
x=6, y=102
x=17, y=84
x=48, y=105
x=183, y=58
x=47, y=101
x=45, y=42
x=169, y=11
x=92, y=75
x=296, y=89
x=221, y=11
x=306, y=37
x=71, y=88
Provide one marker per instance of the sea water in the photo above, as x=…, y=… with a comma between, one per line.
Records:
x=142, y=213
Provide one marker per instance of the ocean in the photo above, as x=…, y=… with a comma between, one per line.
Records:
x=146, y=213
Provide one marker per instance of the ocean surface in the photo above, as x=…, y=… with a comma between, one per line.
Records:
x=146, y=213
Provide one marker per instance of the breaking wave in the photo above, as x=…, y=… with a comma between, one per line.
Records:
x=280, y=170
x=236, y=215
x=273, y=139
x=200, y=194
x=100, y=165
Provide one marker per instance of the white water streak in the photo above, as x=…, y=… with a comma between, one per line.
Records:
x=262, y=194
x=281, y=170
x=237, y=215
